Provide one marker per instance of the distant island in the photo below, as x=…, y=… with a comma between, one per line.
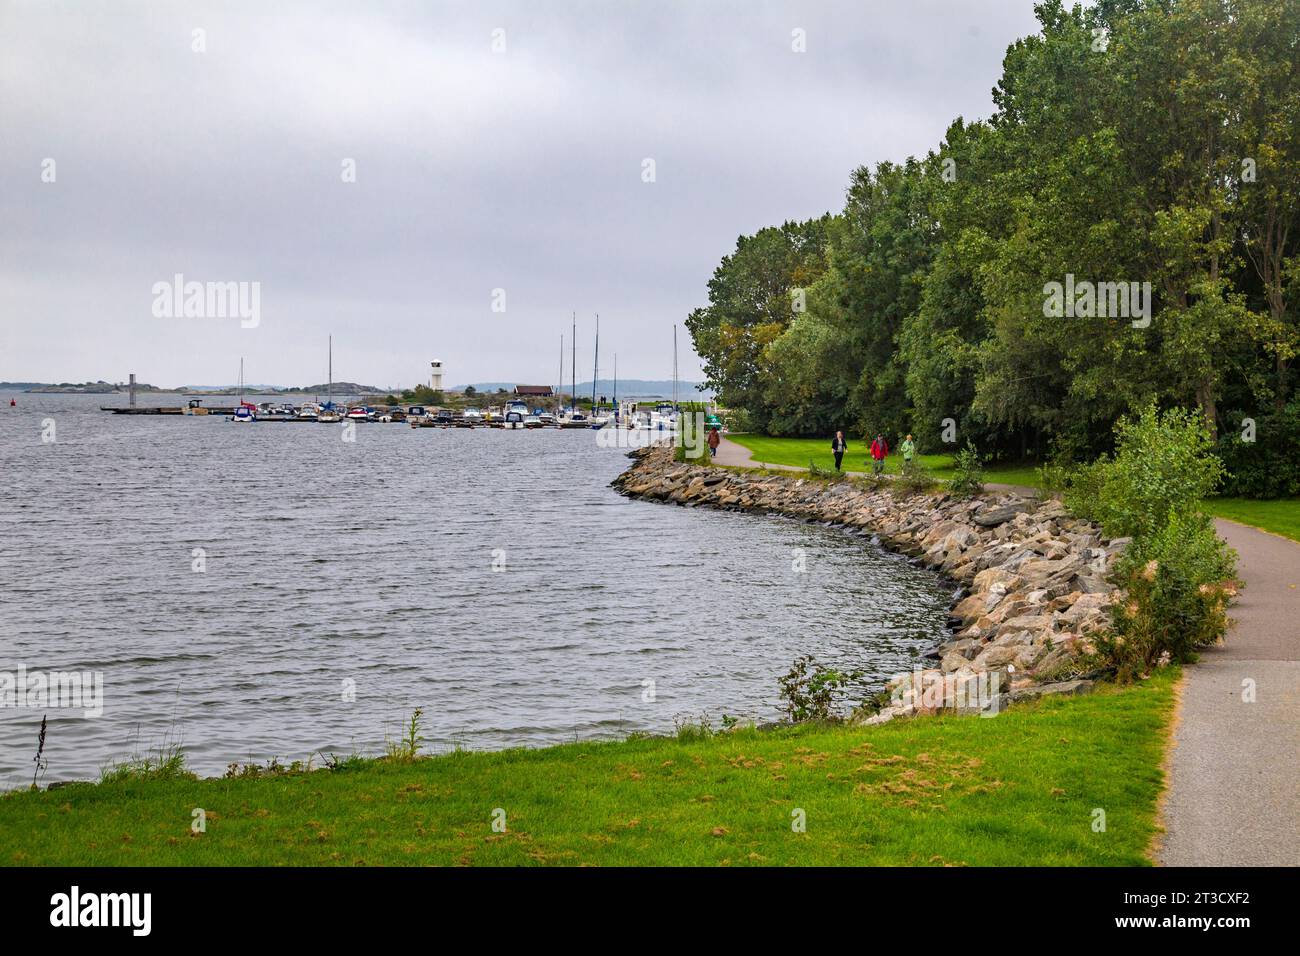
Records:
x=638, y=387
x=108, y=388
x=339, y=388
x=632, y=387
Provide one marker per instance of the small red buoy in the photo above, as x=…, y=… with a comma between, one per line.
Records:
x=13, y=402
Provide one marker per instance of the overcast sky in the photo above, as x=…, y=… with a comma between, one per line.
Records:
x=476, y=170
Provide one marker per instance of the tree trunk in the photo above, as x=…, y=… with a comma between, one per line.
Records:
x=1205, y=399
x=1279, y=399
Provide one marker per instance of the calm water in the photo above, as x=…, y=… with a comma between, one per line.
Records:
x=371, y=563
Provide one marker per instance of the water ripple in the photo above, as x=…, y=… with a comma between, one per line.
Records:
x=346, y=584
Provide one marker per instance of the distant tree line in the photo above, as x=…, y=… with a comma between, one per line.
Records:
x=1136, y=141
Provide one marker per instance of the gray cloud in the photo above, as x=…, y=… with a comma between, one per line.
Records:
x=475, y=170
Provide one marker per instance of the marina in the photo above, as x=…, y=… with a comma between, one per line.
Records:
x=661, y=416
x=518, y=412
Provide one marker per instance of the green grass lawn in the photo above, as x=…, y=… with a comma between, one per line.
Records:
x=799, y=451
x=1019, y=788
x=1281, y=516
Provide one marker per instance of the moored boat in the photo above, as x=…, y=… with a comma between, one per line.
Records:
x=245, y=412
x=576, y=420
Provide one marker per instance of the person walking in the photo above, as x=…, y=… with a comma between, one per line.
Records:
x=908, y=448
x=838, y=447
x=879, y=449
x=715, y=439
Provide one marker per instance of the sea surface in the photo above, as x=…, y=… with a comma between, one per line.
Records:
x=251, y=592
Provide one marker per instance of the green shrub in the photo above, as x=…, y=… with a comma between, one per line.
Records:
x=686, y=730
x=874, y=702
x=695, y=454
x=1163, y=466
x=1053, y=478
x=741, y=421
x=167, y=762
x=968, y=474
x=407, y=748
x=1268, y=466
x=1178, y=582
x=810, y=691
x=915, y=479
x=824, y=474
x=1081, y=487
x=872, y=483
x=1176, y=574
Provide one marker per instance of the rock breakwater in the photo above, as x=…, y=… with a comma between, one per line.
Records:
x=1033, y=577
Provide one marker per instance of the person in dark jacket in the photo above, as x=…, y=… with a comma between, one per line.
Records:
x=715, y=439
x=838, y=447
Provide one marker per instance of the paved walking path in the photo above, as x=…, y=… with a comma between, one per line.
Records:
x=1233, y=790
x=1233, y=796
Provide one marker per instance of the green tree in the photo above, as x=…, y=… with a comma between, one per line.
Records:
x=753, y=297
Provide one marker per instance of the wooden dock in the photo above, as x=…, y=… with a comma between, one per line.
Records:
x=167, y=410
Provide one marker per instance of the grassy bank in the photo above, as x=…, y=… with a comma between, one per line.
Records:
x=1019, y=788
x=1280, y=516
x=799, y=451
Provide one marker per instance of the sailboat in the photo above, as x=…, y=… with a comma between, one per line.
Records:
x=598, y=421
x=328, y=413
x=575, y=418
x=245, y=411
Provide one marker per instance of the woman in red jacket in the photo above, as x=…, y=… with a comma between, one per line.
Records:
x=879, y=449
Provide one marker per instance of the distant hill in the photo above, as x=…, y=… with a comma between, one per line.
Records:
x=639, y=387
x=83, y=388
x=340, y=388
x=105, y=388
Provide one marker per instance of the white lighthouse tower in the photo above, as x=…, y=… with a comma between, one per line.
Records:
x=435, y=378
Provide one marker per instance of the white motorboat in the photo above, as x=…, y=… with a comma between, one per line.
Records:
x=663, y=418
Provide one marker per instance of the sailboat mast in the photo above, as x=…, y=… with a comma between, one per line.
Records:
x=573, y=370
x=595, y=366
x=559, y=382
x=674, y=366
